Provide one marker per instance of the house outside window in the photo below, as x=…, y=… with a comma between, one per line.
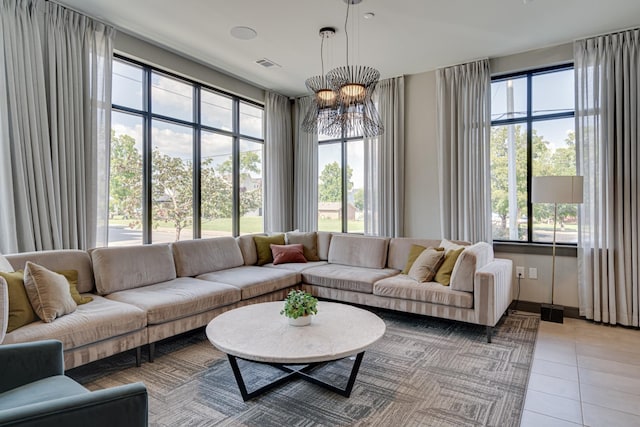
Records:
x=532, y=134
x=186, y=159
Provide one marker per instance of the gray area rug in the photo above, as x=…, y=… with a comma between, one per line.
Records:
x=423, y=372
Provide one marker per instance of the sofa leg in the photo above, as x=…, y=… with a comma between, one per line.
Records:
x=138, y=356
x=152, y=351
x=489, y=332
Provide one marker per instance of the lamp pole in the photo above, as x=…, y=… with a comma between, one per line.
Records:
x=553, y=253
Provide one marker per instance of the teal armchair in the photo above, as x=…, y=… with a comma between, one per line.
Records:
x=35, y=392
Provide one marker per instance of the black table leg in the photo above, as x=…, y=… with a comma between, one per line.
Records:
x=302, y=373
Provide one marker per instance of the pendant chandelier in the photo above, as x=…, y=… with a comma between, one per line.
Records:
x=343, y=98
x=323, y=108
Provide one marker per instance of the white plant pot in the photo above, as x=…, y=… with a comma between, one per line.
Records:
x=300, y=321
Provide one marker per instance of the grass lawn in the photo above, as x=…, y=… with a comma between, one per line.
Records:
x=251, y=224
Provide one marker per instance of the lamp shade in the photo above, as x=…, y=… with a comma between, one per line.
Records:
x=556, y=189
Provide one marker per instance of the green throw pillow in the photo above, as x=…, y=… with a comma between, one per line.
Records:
x=21, y=312
x=263, y=247
x=443, y=276
x=72, y=278
x=414, y=253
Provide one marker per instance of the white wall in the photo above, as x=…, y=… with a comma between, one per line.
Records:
x=153, y=55
x=422, y=210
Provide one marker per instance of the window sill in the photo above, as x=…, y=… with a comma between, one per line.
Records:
x=535, y=249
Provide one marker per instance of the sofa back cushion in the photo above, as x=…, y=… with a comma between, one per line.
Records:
x=200, y=256
x=309, y=242
x=248, y=248
x=4, y=308
x=399, y=248
x=5, y=265
x=324, y=241
x=63, y=259
x=471, y=259
x=358, y=251
x=128, y=267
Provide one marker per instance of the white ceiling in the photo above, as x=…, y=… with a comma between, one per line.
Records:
x=404, y=37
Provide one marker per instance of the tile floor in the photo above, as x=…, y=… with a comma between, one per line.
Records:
x=584, y=374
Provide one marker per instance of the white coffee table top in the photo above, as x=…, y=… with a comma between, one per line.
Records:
x=260, y=333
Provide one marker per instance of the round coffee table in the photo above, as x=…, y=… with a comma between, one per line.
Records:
x=259, y=333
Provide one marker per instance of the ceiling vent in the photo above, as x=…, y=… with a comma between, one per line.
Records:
x=267, y=63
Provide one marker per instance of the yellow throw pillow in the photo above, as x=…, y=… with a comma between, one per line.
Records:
x=263, y=247
x=425, y=266
x=443, y=276
x=72, y=278
x=20, y=311
x=48, y=292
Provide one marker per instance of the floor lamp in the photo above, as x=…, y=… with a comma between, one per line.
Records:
x=556, y=190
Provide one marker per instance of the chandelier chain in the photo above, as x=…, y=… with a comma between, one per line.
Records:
x=346, y=33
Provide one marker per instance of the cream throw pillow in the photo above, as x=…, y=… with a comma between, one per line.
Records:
x=425, y=266
x=48, y=292
x=450, y=246
x=5, y=265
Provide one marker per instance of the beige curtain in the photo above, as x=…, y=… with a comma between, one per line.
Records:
x=463, y=132
x=278, y=186
x=384, y=164
x=607, y=79
x=305, y=195
x=55, y=90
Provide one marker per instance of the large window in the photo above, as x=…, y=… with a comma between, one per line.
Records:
x=532, y=134
x=341, y=184
x=186, y=160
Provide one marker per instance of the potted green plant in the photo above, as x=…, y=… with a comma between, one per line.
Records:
x=299, y=306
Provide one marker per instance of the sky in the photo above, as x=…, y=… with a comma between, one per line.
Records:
x=550, y=93
x=171, y=97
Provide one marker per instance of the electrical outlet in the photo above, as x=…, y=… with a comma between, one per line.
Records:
x=520, y=271
x=533, y=273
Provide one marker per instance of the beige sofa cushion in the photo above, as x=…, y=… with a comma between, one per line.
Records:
x=5, y=266
x=323, y=241
x=359, y=251
x=101, y=319
x=58, y=260
x=4, y=308
x=193, y=257
x=254, y=281
x=357, y=279
x=248, y=248
x=399, y=248
x=128, y=267
x=178, y=298
x=403, y=287
x=296, y=266
x=471, y=259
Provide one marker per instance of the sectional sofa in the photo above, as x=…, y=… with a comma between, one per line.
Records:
x=143, y=294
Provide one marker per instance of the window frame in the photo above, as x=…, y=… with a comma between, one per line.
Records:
x=148, y=116
x=533, y=247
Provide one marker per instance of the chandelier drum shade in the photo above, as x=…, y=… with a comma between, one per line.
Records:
x=323, y=107
x=343, y=99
